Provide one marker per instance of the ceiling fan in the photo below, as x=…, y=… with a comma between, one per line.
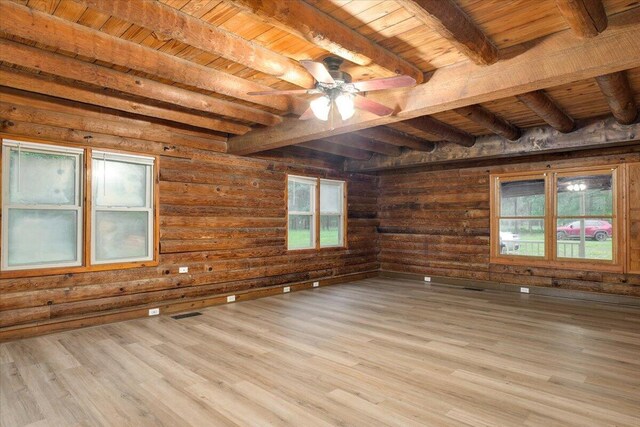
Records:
x=338, y=90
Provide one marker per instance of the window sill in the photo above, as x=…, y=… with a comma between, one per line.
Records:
x=577, y=264
x=316, y=250
x=37, y=272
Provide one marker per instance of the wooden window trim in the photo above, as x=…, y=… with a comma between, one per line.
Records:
x=316, y=216
x=550, y=260
x=86, y=209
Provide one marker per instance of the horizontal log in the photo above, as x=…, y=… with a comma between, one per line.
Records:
x=521, y=70
x=174, y=24
x=50, y=30
x=591, y=134
x=96, y=75
x=450, y=22
x=615, y=88
x=587, y=18
x=545, y=107
x=51, y=86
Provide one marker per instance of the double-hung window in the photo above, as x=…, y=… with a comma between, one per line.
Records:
x=315, y=214
x=75, y=209
x=122, y=208
x=42, y=206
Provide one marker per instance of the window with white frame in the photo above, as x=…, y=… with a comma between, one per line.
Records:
x=122, y=208
x=42, y=206
x=45, y=208
x=331, y=218
x=301, y=231
x=315, y=213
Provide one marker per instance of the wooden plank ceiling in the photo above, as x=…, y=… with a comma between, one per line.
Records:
x=189, y=64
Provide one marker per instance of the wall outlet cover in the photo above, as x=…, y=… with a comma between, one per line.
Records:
x=231, y=298
x=316, y=284
x=286, y=289
x=154, y=311
x=524, y=290
x=427, y=278
x=183, y=270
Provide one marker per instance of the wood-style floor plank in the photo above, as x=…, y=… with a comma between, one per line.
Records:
x=377, y=352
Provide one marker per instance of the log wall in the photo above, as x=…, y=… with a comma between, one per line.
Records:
x=223, y=216
x=437, y=223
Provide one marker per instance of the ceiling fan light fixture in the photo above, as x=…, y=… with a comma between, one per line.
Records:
x=345, y=104
x=321, y=107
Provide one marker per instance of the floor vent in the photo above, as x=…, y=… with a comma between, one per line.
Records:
x=474, y=289
x=185, y=315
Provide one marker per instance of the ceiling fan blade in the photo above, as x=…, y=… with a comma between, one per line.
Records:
x=318, y=71
x=371, y=106
x=308, y=114
x=284, y=92
x=384, y=83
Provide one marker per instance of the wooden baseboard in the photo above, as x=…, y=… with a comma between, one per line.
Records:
x=507, y=287
x=166, y=307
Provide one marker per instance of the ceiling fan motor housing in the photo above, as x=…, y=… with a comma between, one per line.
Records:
x=333, y=66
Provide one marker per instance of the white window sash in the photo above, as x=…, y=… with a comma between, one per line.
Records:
x=78, y=154
x=149, y=208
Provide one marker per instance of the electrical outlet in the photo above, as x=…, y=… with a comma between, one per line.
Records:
x=316, y=284
x=286, y=289
x=524, y=290
x=154, y=311
x=183, y=270
x=427, y=278
x=231, y=298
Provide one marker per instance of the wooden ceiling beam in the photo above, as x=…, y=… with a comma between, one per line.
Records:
x=615, y=88
x=547, y=109
x=48, y=85
x=171, y=23
x=453, y=24
x=311, y=24
x=22, y=107
x=393, y=137
x=520, y=70
x=49, y=30
x=362, y=143
x=63, y=66
x=338, y=150
x=490, y=121
x=538, y=140
x=441, y=130
x=587, y=18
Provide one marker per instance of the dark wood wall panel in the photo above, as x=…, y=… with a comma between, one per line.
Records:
x=437, y=223
x=222, y=216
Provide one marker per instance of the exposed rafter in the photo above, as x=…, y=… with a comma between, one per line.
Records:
x=540, y=140
x=35, y=109
x=51, y=86
x=615, y=88
x=305, y=21
x=446, y=17
x=390, y=136
x=50, y=30
x=63, y=66
x=587, y=18
x=545, y=107
x=171, y=23
x=339, y=150
x=362, y=143
x=566, y=59
x=441, y=130
x=490, y=121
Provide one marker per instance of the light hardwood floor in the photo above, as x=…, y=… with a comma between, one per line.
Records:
x=375, y=352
